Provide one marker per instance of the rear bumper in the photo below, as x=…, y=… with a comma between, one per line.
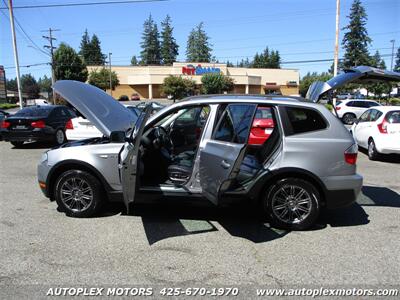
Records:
x=342, y=191
x=38, y=134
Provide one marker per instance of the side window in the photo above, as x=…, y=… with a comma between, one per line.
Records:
x=365, y=116
x=372, y=104
x=303, y=120
x=373, y=114
x=351, y=103
x=235, y=123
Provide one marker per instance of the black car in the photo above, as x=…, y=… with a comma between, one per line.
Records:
x=3, y=115
x=37, y=123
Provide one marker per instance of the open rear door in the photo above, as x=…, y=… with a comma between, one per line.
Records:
x=361, y=75
x=222, y=155
x=129, y=159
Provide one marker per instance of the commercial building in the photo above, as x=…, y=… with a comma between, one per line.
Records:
x=146, y=81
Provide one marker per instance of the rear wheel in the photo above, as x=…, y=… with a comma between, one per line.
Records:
x=373, y=154
x=349, y=118
x=17, y=144
x=59, y=137
x=78, y=193
x=292, y=204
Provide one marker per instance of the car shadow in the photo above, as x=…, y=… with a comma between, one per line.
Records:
x=34, y=145
x=389, y=158
x=172, y=218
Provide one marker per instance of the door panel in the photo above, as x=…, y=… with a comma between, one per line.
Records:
x=221, y=157
x=129, y=159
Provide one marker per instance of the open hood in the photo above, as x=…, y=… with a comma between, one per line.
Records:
x=361, y=74
x=106, y=113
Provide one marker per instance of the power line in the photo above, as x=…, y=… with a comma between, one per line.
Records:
x=82, y=4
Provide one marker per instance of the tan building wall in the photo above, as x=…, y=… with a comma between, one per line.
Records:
x=147, y=80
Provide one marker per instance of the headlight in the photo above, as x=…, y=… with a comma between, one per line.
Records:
x=43, y=158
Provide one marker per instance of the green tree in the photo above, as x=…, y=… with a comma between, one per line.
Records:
x=309, y=78
x=90, y=50
x=30, y=86
x=178, y=87
x=267, y=59
x=11, y=84
x=378, y=88
x=134, y=61
x=169, y=47
x=68, y=64
x=356, y=40
x=198, y=47
x=101, y=78
x=45, y=84
x=150, y=54
x=216, y=83
x=396, y=67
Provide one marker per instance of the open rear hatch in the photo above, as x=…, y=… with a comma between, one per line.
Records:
x=361, y=75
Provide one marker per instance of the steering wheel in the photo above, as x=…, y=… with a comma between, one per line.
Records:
x=162, y=140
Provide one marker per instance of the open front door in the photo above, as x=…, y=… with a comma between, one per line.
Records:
x=222, y=155
x=129, y=159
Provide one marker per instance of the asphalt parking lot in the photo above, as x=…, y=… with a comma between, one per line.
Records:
x=174, y=245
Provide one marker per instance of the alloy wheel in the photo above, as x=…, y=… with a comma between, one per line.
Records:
x=60, y=137
x=291, y=204
x=76, y=194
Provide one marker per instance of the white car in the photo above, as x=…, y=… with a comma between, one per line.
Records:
x=378, y=130
x=80, y=128
x=351, y=109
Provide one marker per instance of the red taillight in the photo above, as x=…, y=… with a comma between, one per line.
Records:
x=69, y=124
x=38, y=124
x=338, y=108
x=383, y=126
x=350, y=155
x=5, y=124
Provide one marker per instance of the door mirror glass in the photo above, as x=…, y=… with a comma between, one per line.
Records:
x=117, y=137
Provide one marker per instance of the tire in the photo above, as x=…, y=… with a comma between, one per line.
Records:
x=17, y=144
x=349, y=118
x=79, y=194
x=292, y=204
x=59, y=137
x=373, y=154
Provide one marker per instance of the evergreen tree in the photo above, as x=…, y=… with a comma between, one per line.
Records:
x=45, y=84
x=356, y=39
x=150, y=54
x=198, y=46
x=378, y=88
x=90, y=50
x=396, y=67
x=68, y=64
x=169, y=47
x=96, y=57
x=377, y=61
x=30, y=86
x=11, y=84
x=134, y=61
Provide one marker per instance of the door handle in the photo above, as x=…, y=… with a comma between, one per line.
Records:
x=225, y=164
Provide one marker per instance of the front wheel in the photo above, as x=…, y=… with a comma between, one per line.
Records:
x=292, y=204
x=79, y=194
x=373, y=154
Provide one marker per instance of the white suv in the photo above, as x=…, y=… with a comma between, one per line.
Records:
x=351, y=109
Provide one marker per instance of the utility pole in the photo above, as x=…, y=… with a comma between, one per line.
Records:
x=109, y=64
x=391, y=63
x=16, y=61
x=50, y=38
x=336, y=58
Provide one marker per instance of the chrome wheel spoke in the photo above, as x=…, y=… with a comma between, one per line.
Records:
x=76, y=194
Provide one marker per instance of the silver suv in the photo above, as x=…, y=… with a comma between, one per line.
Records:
x=199, y=148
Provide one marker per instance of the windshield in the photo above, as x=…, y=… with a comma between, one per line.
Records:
x=40, y=112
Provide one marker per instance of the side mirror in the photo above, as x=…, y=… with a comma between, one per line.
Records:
x=117, y=137
x=357, y=121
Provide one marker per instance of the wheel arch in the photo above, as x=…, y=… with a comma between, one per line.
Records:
x=66, y=165
x=266, y=180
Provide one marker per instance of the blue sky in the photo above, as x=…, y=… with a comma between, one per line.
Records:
x=299, y=29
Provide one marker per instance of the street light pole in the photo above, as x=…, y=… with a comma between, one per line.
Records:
x=336, y=57
x=391, y=63
x=109, y=64
x=16, y=61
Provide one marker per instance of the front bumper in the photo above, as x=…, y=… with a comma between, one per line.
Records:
x=43, y=170
x=342, y=191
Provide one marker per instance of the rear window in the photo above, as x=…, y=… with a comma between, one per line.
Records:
x=263, y=113
x=303, y=120
x=41, y=112
x=393, y=117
